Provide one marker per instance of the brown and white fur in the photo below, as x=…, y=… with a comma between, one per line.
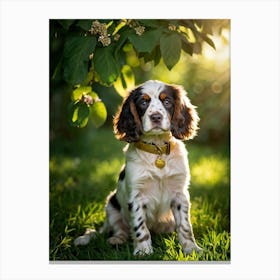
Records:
x=148, y=198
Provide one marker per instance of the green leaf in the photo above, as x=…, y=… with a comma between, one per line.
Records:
x=187, y=46
x=66, y=23
x=154, y=23
x=208, y=40
x=94, y=96
x=119, y=26
x=89, y=78
x=208, y=26
x=199, y=22
x=197, y=48
x=147, y=41
x=170, y=47
x=111, y=26
x=125, y=81
x=155, y=56
x=58, y=70
x=98, y=113
x=78, y=114
x=105, y=65
x=76, y=55
x=79, y=92
x=124, y=34
x=85, y=24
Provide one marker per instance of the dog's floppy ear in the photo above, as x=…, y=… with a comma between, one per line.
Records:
x=184, y=123
x=127, y=124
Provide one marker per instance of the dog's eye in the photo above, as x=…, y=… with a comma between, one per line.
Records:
x=144, y=103
x=166, y=103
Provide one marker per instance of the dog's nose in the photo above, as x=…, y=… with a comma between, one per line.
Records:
x=156, y=118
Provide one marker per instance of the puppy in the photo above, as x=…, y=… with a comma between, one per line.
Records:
x=152, y=191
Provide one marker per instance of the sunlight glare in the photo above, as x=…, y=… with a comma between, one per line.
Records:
x=210, y=171
x=221, y=54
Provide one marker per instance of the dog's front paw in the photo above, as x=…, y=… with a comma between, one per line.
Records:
x=191, y=247
x=116, y=240
x=143, y=248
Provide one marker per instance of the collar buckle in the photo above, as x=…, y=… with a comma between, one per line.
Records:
x=155, y=149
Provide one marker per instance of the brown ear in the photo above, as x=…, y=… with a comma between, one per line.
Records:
x=127, y=125
x=184, y=123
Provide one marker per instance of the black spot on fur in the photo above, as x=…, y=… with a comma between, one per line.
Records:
x=130, y=205
x=137, y=227
x=114, y=202
x=138, y=234
x=122, y=175
x=179, y=207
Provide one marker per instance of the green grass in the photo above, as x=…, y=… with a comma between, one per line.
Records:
x=85, y=169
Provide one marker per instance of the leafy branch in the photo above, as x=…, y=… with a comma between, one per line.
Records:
x=96, y=51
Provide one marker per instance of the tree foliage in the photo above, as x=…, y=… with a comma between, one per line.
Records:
x=95, y=51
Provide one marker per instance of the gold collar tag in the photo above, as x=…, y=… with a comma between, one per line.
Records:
x=155, y=149
x=159, y=162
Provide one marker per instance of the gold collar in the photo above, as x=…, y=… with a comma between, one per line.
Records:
x=155, y=149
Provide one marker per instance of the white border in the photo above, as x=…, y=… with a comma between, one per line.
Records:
x=24, y=138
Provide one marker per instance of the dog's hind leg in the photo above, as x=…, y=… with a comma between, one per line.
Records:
x=115, y=221
x=85, y=239
x=114, y=224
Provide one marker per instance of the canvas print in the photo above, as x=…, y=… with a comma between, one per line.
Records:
x=139, y=140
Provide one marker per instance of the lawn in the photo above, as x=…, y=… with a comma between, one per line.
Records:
x=85, y=168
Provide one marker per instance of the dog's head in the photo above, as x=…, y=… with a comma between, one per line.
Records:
x=154, y=108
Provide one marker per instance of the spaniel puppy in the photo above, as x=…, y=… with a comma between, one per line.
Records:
x=152, y=192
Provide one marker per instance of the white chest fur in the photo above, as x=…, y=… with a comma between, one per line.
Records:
x=155, y=187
